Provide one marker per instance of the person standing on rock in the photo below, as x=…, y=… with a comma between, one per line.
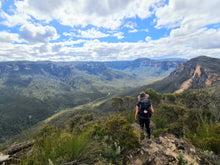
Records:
x=144, y=110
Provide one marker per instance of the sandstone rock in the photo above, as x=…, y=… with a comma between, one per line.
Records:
x=4, y=158
x=164, y=151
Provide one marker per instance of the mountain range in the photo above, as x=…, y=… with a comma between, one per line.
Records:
x=33, y=91
x=48, y=95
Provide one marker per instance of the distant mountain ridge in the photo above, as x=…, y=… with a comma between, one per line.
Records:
x=145, y=67
x=144, y=62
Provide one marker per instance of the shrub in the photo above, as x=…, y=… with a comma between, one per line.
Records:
x=212, y=144
x=58, y=147
x=176, y=129
x=154, y=96
x=79, y=120
x=167, y=114
x=118, y=130
x=170, y=98
x=156, y=133
x=129, y=102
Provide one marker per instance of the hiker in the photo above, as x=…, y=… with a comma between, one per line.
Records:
x=144, y=110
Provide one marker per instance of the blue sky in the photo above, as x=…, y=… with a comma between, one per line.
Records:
x=70, y=30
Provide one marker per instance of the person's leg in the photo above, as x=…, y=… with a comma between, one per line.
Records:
x=141, y=122
x=147, y=125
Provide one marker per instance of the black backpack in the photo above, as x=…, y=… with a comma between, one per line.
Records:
x=144, y=107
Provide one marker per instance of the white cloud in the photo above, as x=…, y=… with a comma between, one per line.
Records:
x=90, y=33
x=190, y=14
x=119, y=35
x=148, y=38
x=9, y=37
x=130, y=25
x=133, y=31
x=106, y=13
x=202, y=38
x=96, y=50
x=12, y=20
x=38, y=33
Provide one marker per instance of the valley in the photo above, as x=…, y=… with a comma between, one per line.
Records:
x=33, y=91
x=186, y=103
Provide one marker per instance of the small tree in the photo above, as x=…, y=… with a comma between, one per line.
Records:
x=154, y=96
x=117, y=103
x=129, y=102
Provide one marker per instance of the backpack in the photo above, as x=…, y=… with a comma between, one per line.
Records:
x=144, y=108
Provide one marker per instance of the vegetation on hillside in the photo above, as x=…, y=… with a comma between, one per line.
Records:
x=85, y=138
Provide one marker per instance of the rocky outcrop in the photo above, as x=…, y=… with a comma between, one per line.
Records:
x=12, y=153
x=167, y=150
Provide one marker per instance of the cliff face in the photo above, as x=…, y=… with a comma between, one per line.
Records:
x=196, y=73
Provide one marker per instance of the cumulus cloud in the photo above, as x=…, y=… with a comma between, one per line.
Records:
x=96, y=50
x=9, y=37
x=188, y=19
x=148, y=38
x=106, y=13
x=90, y=33
x=37, y=33
x=119, y=35
x=12, y=20
x=189, y=14
x=203, y=38
x=130, y=25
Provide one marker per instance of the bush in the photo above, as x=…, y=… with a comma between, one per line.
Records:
x=118, y=130
x=212, y=144
x=167, y=114
x=156, y=133
x=154, y=96
x=79, y=120
x=58, y=147
x=176, y=129
x=170, y=98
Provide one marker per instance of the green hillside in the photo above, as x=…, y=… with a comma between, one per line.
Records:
x=108, y=138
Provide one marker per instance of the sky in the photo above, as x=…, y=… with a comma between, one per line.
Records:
x=108, y=30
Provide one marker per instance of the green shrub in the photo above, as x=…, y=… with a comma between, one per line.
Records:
x=79, y=120
x=206, y=137
x=217, y=128
x=58, y=147
x=166, y=114
x=117, y=104
x=154, y=96
x=170, y=98
x=118, y=130
x=176, y=128
x=156, y=133
x=212, y=144
x=129, y=102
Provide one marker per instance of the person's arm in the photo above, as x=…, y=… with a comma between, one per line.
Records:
x=152, y=109
x=136, y=113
